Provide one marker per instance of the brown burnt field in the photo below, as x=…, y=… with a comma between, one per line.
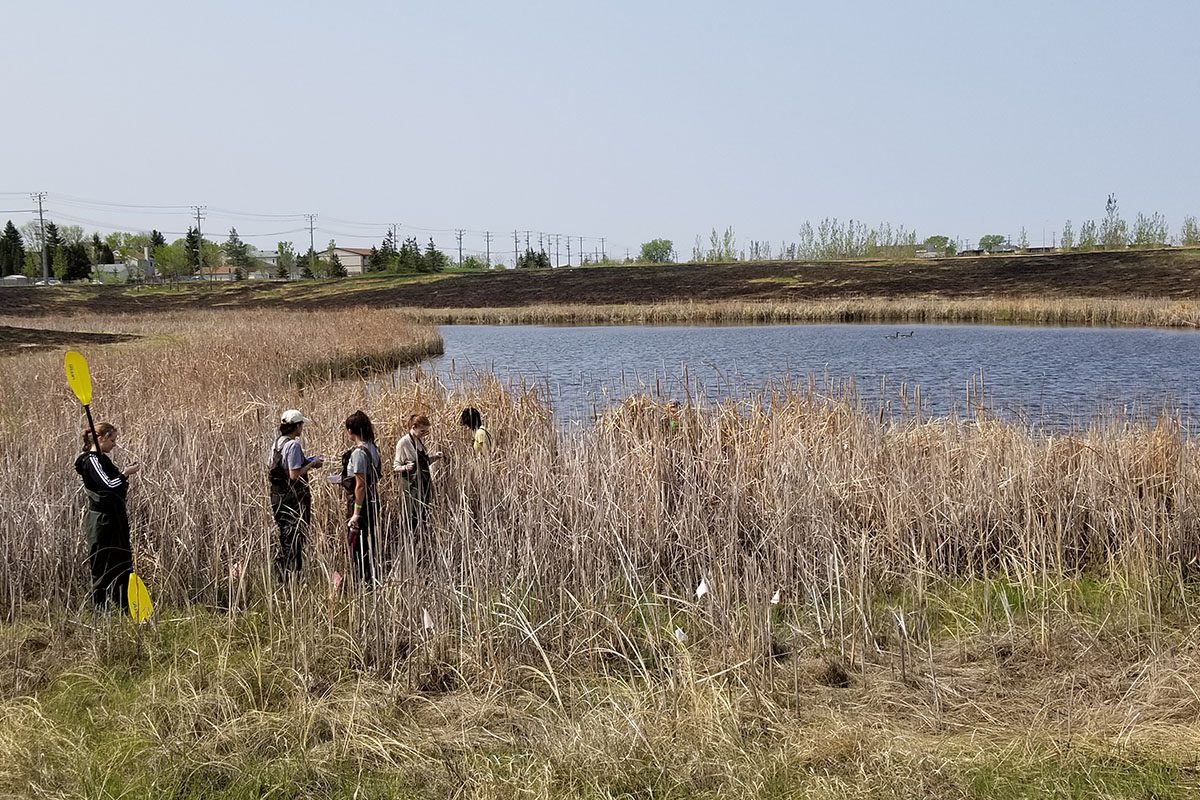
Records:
x=1171, y=274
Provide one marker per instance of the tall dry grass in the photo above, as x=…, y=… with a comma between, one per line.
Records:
x=1144, y=312
x=569, y=532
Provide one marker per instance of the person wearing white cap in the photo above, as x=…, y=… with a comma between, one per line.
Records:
x=291, y=499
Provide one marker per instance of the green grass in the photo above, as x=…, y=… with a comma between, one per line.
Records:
x=281, y=704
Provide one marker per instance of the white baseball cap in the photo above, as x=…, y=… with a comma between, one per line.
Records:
x=292, y=416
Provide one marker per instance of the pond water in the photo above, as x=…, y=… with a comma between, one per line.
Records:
x=1049, y=376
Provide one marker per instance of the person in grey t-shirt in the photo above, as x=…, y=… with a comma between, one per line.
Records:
x=291, y=500
x=360, y=472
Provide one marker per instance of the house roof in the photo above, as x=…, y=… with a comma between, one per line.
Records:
x=358, y=251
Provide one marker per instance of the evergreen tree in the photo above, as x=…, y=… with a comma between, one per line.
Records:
x=334, y=269
x=389, y=255
x=409, y=258
x=12, y=251
x=77, y=266
x=53, y=237
x=238, y=254
x=435, y=260
x=375, y=260
x=156, y=240
x=533, y=260
x=191, y=246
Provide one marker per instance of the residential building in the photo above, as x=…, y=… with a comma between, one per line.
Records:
x=354, y=259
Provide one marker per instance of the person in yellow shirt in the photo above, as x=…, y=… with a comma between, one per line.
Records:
x=482, y=440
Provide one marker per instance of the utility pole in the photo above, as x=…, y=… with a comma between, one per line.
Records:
x=200, y=243
x=312, y=251
x=40, y=196
x=527, y=240
x=557, y=259
x=568, y=249
x=516, y=244
x=487, y=244
x=603, y=254
x=459, y=233
x=581, y=251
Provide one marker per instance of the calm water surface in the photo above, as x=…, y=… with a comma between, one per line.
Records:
x=1052, y=376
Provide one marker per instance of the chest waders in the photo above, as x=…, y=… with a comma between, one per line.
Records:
x=291, y=506
x=110, y=556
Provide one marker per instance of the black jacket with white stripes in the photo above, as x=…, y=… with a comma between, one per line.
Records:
x=105, y=484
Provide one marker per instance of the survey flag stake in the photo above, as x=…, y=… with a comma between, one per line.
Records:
x=702, y=589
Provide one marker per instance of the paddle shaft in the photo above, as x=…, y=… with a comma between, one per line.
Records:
x=92, y=427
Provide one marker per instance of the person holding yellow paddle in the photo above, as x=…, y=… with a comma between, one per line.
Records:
x=106, y=521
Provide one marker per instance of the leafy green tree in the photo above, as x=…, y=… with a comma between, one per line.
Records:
x=33, y=264
x=658, y=251
x=71, y=234
x=1114, y=232
x=991, y=241
x=1089, y=239
x=58, y=263
x=287, y=260
x=1068, y=236
x=172, y=261
x=1023, y=239
x=1189, y=233
x=473, y=262
x=942, y=244
x=12, y=251
x=1150, y=231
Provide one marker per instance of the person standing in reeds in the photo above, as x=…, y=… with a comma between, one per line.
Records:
x=291, y=498
x=361, y=466
x=412, y=463
x=106, y=522
x=473, y=421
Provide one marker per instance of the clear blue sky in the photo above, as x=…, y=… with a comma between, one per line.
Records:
x=631, y=120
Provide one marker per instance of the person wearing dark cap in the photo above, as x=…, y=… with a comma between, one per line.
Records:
x=473, y=421
x=291, y=498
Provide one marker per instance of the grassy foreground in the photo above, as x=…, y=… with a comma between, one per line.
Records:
x=281, y=702
x=895, y=606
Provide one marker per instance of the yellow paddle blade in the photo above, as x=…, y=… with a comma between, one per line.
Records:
x=78, y=376
x=140, y=607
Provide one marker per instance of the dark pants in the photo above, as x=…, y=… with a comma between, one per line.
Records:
x=363, y=545
x=293, y=514
x=110, y=556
